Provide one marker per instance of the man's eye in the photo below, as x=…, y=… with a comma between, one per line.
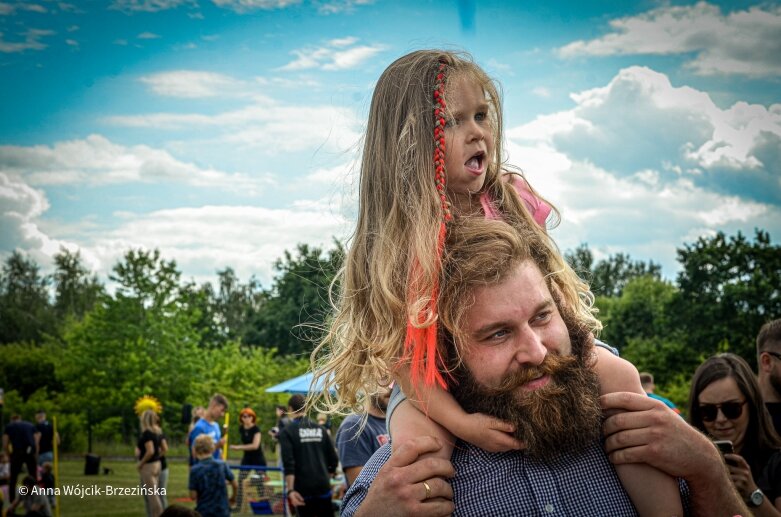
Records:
x=543, y=317
x=499, y=334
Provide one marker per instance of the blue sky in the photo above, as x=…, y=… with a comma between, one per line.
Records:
x=225, y=131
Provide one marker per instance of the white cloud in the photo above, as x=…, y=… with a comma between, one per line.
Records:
x=243, y=6
x=266, y=125
x=205, y=239
x=20, y=208
x=662, y=127
x=333, y=56
x=741, y=42
x=201, y=239
x=72, y=42
x=643, y=167
x=148, y=35
x=149, y=6
x=192, y=84
x=7, y=9
x=339, y=6
x=98, y=161
x=32, y=41
x=541, y=91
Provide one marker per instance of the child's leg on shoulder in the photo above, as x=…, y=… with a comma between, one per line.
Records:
x=653, y=492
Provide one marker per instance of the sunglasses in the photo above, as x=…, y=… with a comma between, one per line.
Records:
x=730, y=410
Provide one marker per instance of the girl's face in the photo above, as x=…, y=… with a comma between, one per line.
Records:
x=720, y=393
x=469, y=138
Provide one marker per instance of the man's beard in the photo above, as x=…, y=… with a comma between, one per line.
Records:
x=562, y=416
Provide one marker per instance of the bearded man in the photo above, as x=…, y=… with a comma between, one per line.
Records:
x=515, y=351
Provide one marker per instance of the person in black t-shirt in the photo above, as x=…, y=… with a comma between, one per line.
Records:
x=149, y=451
x=21, y=443
x=250, y=444
x=46, y=438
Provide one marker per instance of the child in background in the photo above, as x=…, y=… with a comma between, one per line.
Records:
x=432, y=151
x=208, y=477
x=46, y=482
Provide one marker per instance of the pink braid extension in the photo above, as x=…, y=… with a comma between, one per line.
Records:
x=421, y=343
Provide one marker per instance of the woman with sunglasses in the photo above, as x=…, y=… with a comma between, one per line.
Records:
x=725, y=403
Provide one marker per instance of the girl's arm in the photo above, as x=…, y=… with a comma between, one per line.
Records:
x=439, y=414
x=652, y=491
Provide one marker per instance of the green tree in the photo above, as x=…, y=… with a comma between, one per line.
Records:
x=76, y=288
x=609, y=277
x=293, y=317
x=142, y=340
x=236, y=304
x=25, y=310
x=26, y=368
x=641, y=311
x=728, y=287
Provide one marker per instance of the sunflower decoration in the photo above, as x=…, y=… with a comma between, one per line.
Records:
x=147, y=402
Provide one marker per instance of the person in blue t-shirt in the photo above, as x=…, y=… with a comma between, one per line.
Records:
x=208, y=425
x=647, y=380
x=208, y=478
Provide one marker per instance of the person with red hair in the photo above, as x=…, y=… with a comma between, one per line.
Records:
x=250, y=444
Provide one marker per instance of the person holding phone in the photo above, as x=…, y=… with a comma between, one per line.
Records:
x=725, y=402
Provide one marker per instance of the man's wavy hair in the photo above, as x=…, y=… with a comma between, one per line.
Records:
x=398, y=223
x=483, y=253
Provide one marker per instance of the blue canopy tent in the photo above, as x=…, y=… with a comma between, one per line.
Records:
x=301, y=384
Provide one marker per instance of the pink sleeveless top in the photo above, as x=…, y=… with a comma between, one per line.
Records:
x=538, y=208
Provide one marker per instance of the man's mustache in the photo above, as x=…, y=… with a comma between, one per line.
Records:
x=552, y=365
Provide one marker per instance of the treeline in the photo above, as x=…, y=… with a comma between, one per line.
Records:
x=727, y=288
x=71, y=346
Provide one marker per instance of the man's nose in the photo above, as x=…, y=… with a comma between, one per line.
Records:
x=530, y=348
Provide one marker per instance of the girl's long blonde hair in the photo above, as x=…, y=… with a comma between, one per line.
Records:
x=398, y=223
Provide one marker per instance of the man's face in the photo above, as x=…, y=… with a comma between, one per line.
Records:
x=774, y=374
x=522, y=364
x=381, y=399
x=216, y=411
x=40, y=417
x=512, y=326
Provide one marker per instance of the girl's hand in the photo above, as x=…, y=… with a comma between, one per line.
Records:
x=488, y=433
x=740, y=473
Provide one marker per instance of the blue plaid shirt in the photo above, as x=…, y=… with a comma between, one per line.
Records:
x=512, y=484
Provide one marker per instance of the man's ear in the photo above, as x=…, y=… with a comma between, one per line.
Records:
x=765, y=362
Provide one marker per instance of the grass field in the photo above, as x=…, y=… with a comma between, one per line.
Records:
x=122, y=473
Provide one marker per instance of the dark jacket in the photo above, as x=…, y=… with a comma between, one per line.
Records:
x=309, y=454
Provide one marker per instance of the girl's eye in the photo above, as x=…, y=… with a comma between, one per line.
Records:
x=450, y=122
x=481, y=116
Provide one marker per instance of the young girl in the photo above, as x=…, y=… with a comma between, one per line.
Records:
x=432, y=151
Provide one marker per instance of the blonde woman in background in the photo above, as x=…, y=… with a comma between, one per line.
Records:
x=151, y=446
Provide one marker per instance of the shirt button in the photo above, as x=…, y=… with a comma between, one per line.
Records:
x=549, y=508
